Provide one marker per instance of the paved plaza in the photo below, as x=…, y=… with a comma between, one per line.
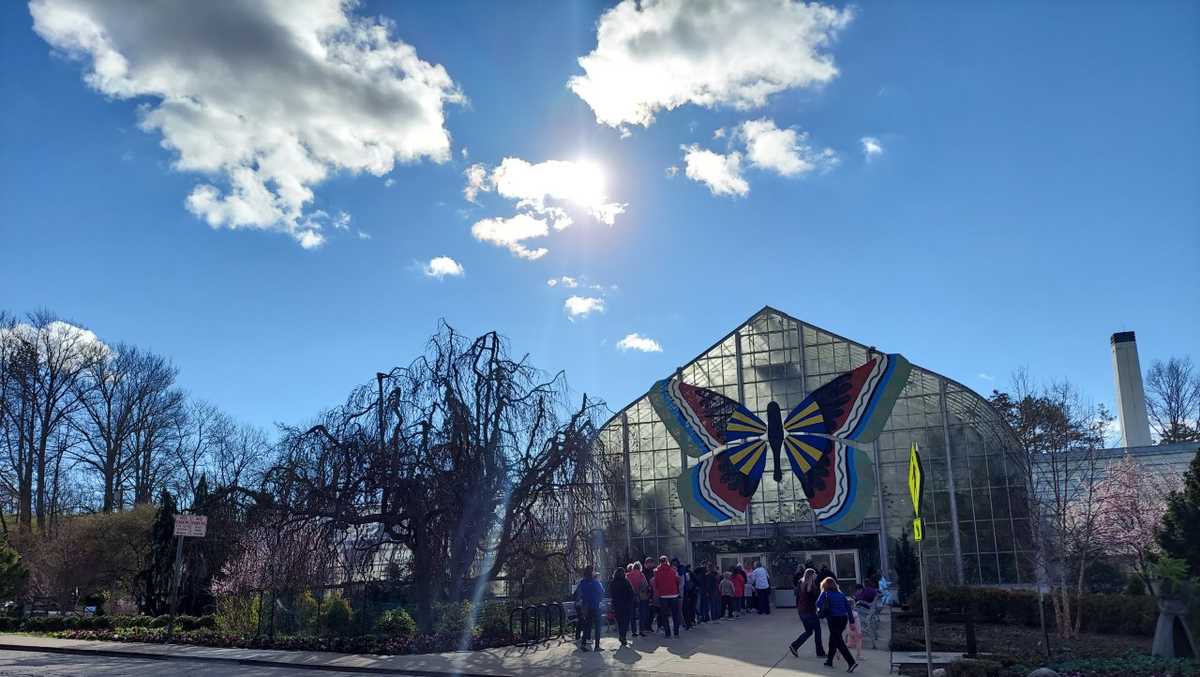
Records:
x=753, y=646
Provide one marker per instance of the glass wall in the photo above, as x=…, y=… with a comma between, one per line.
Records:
x=974, y=495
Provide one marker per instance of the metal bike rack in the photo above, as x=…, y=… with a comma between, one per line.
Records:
x=537, y=622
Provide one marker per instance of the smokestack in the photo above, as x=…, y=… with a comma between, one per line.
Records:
x=1131, y=396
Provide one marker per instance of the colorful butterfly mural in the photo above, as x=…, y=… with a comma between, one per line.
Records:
x=820, y=438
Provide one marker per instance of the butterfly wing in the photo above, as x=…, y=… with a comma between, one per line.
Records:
x=844, y=492
x=838, y=479
x=857, y=404
x=720, y=486
x=696, y=417
x=802, y=444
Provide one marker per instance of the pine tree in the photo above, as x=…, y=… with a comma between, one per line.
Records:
x=1179, y=534
x=907, y=565
x=13, y=572
x=156, y=578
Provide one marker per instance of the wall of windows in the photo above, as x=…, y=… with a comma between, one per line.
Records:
x=975, y=495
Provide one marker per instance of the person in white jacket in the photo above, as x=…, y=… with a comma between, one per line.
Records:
x=762, y=588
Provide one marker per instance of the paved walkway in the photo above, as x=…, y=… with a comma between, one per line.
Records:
x=750, y=646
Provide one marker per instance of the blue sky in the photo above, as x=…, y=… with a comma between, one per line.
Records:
x=1036, y=189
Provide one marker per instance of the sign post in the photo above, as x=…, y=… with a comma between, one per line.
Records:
x=916, y=488
x=186, y=526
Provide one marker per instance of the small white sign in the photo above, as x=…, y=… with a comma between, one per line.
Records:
x=193, y=526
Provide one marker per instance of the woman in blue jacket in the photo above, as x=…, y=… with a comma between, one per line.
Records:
x=835, y=608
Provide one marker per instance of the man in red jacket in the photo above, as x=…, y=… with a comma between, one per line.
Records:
x=666, y=586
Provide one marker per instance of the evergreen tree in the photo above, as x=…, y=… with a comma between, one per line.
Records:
x=1179, y=534
x=195, y=591
x=156, y=578
x=12, y=572
x=904, y=559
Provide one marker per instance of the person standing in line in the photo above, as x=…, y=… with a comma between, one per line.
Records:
x=689, y=596
x=588, y=595
x=835, y=608
x=667, y=587
x=747, y=592
x=641, y=588
x=762, y=588
x=807, y=592
x=726, y=590
x=714, y=593
x=624, y=601
x=701, y=576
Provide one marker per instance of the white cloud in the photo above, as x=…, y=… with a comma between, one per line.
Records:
x=871, y=147
x=267, y=99
x=57, y=340
x=986, y=376
x=640, y=343
x=784, y=151
x=672, y=171
x=578, y=183
x=545, y=191
x=655, y=56
x=582, y=306
x=389, y=182
x=477, y=182
x=566, y=281
x=719, y=133
x=510, y=233
x=721, y=173
x=442, y=267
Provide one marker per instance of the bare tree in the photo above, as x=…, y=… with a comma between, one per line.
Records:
x=126, y=401
x=1058, y=436
x=477, y=450
x=1173, y=400
x=42, y=364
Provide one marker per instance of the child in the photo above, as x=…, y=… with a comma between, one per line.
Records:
x=854, y=634
x=726, y=588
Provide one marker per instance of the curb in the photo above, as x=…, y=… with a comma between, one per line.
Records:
x=253, y=662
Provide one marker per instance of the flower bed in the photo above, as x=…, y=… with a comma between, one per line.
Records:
x=364, y=644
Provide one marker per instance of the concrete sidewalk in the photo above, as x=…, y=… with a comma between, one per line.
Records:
x=750, y=646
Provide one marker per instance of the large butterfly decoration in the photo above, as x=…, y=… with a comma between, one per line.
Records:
x=820, y=438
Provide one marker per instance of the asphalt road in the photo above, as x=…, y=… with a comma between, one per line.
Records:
x=38, y=664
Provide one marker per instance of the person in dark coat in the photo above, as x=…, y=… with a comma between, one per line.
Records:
x=807, y=591
x=588, y=594
x=624, y=601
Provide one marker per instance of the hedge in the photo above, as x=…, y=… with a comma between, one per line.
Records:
x=61, y=623
x=1101, y=613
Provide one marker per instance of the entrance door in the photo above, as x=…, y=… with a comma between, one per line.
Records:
x=843, y=563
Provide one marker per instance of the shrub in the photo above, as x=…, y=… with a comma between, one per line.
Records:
x=160, y=621
x=237, y=615
x=131, y=621
x=206, y=622
x=44, y=624
x=1130, y=665
x=306, y=612
x=973, y=667
x=493, y=621
x=452, y=619
x=396, y=623
x=335, y=616
x=1101, y=613
x=9, y=624
x=185, y=622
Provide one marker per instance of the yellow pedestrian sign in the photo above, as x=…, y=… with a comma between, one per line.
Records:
x=917, y=533
x=916, y=479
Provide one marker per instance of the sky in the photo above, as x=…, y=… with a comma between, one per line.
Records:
x=286, y=197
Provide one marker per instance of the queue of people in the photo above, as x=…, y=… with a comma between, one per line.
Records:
x=665, y=596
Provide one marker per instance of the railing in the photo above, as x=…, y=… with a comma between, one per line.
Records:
x=537, y=622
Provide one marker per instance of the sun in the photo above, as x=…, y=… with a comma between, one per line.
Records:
x=584, y=184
